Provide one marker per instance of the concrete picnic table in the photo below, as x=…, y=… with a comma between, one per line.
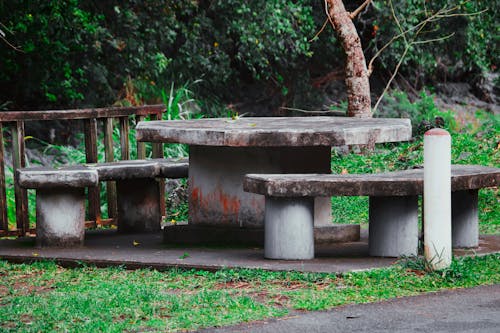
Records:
x=223, y=150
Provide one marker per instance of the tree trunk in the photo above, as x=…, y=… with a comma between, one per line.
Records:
x=356, y=73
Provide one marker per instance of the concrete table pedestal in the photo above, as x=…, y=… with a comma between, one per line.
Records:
x=216, y=182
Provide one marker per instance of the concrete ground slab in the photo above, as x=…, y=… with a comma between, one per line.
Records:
x=108, y=248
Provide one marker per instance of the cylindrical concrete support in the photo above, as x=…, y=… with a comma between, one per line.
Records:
x=288, y=226
x=465, y=224
x=60, y=217
x=138, y=205
x=393, y=229
x=437, y=198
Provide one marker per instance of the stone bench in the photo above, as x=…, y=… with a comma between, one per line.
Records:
x=393, y=221
x=138, y=194
x=60, y=202
x=137, y=191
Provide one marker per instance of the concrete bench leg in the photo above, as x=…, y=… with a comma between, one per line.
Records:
x=288, y=228
x=393, y=230
x=60, y=216
x=138, y=202
x=464, y=218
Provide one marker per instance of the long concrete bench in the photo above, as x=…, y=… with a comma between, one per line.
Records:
x=393, y=221
x=138, y=195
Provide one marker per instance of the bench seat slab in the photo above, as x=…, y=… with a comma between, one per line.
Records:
x=288, y=228
x=60, y=217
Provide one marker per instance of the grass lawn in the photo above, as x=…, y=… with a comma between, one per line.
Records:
x=44, y=297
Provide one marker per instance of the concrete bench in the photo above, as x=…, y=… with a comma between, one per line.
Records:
x=138, y=195
x=60, y=202
x=393, y=221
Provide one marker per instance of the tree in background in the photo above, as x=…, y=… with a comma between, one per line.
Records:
x=263, y=53
x=356, y=73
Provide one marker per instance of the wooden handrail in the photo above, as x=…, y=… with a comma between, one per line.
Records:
x=112, y=112
x=91, y=117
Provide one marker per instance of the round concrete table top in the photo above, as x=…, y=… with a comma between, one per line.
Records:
x=276, y=131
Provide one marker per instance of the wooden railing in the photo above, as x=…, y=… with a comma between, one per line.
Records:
x=92, y=119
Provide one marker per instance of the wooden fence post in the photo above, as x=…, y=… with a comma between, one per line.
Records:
x=19, y=161
x=4, y=222
x=90, y=129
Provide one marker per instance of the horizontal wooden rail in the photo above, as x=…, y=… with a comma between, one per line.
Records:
x=7, y=116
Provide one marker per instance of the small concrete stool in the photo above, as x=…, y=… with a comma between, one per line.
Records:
x=60, y=203
x=138, y=192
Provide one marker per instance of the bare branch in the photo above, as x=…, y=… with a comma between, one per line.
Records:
x=393, y=12
x=359, y=9
x=392, y=77
x=441, y=13
x=4, y=38
x=328, y=14
x=439, y=39
x=11, y=45
x=333, y=112
x=320, y=31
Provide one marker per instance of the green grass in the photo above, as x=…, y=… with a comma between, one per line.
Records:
x=46, y=297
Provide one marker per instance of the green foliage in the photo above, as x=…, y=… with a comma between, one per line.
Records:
x=474, y=141
x=46, y=297
x=473, y=28
x=77, y=53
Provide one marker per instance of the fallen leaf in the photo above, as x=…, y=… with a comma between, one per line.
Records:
x=136, y=243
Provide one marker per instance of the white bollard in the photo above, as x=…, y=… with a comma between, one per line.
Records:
x=437, y=198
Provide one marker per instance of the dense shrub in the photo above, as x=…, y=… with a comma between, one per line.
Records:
x=472, y=28
x=77, y=53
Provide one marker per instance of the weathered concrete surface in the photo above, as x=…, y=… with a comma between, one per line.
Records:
x=71, y=176
x=398, y=183
x=276, y=132
x=216, y=178
x=126, y=169
x=187, y=235
x=60, y=217
x=109, y=248
x=90, y=174
x=289, y=228
x=465, y=218
x=393, y=228
x=130, y=169
x=138, y=202
x=172, y=168
x=460, y=310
